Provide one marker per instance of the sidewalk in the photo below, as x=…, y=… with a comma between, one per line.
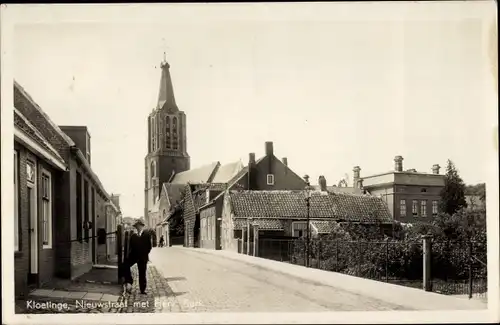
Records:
x=97, y=291
x=415, y=299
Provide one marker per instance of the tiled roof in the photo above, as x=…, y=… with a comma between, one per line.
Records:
x=292, y=205
x=174, y=192
x=198, y=175
x=226, y=172
x=264, y=224
x=29, y=129
x=325, y=227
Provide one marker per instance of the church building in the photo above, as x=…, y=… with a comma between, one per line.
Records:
x=167, y=145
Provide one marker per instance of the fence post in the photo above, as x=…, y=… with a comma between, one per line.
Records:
x=243, y=237
x=255, y=240
x=319, y=254
x=248, y=236
x=119, y=251
x=427, y=250
x=387, y=260
x=469, y=250
x=337, y=255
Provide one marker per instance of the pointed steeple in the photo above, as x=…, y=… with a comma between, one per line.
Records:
x=166, y=93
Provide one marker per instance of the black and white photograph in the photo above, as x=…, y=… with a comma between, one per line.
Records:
x=250, y=162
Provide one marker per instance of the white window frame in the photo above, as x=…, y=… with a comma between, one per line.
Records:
x=48, y=223
x=270, y=179
x=414, y=207
x=16, y=202
x=423, y=208
x=435, y=207
x=402, y=208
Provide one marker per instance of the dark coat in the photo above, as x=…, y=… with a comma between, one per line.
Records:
x=140, y=246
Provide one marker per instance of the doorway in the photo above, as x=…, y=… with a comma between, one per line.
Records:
x=33, y=238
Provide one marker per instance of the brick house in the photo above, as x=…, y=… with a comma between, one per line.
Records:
x=284, y=213
x=410, y=195
x=57, y=197
x=267, y=173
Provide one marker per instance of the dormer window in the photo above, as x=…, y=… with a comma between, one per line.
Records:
x=423, y=190
x=270, y=179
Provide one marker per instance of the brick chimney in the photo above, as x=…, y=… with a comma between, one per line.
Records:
x=398, y=163
x=322, y=183
x=269, y=148
x=435, y=169
x=306, y=179
x=285, y=161
x=251, y=170
x=356, y=177
x=251, y=159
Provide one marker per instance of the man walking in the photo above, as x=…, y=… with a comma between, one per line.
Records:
x=140, y=247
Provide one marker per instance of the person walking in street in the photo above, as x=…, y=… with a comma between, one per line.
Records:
x=162, y=241
x=139, y=248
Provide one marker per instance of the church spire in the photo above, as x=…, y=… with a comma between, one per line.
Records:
x=166, y=93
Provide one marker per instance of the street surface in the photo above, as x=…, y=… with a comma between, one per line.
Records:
x=206, y=283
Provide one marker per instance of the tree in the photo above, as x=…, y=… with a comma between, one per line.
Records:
x=453, y=193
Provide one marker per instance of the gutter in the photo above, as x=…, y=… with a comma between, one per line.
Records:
x=88, y=169
x=28, y=142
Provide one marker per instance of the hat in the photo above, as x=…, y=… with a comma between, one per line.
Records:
x=139, y=222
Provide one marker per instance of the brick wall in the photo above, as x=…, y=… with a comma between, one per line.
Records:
x=21, y=258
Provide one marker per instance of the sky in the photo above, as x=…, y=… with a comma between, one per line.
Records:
x=330, y=92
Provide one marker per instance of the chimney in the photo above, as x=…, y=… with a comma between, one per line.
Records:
x=306, y=179
x=355, y=180
x=285, y=161
x=251, y=158
x=269, y=148
x=435, y=169
x=398, y=163
x=251, y=169
x=322, y=183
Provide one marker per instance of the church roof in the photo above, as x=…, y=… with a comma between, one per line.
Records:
x=166, y=96
x=226, y=172
x=195, y=176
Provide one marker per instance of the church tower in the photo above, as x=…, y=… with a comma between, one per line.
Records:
x=167, y=150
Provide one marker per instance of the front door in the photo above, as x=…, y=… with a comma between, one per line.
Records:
x=33, y=219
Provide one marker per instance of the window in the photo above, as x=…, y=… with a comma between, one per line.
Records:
x=414, y=208
x=46, y=210
x=423, y=190
x=16, y=202
x=423, y=208
x=167, y=132
x=402, y=208
x=174, y=133
x=270, y=179
x=79, y=202
x=153, y=133
x=299, y=228
x=434, y=208
x=153, y=169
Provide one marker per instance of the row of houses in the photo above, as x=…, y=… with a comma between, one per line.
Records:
x=59, y=202
x=215, y=203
